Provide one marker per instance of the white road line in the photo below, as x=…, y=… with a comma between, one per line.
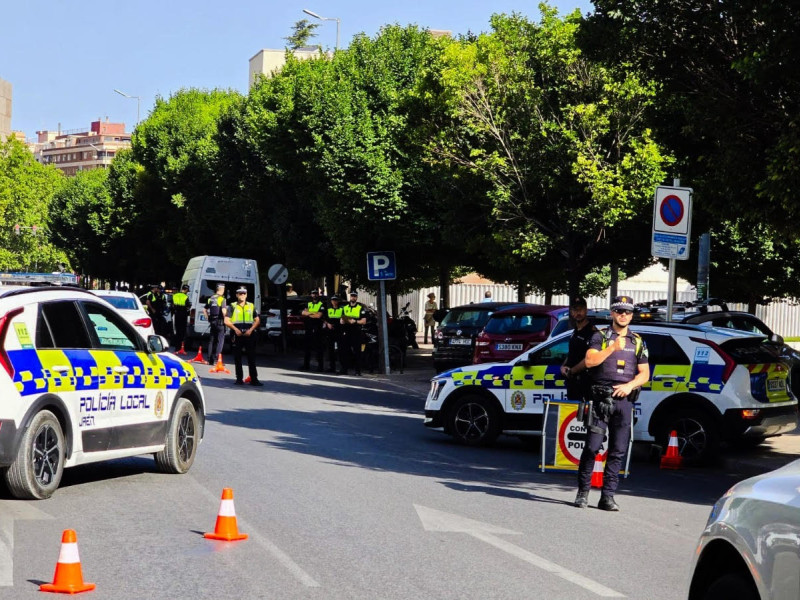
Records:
x=6, y=551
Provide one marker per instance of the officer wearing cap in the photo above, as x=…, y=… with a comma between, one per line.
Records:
x=617, y=359
x=156, y=305
x=180, y=314
x=243, y=322
x=574, y=368
x=314, y=319
x=352, y=320
x=333, y=328
x=215, y=310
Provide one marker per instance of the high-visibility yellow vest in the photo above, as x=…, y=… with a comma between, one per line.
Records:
x=179, y=299
x=353, y=312
x=335, y=313
x=243, y=314
x=314, y=307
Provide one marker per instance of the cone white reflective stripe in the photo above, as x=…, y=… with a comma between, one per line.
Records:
x=673, y=441
x=226, y=509
x=69, y=554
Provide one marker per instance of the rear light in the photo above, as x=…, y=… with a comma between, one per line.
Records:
x=482, y=339
x=191, y=317
x=750, y=413
x=730, y=364
x=145, y=323
x=5, y=321
x=439, y=334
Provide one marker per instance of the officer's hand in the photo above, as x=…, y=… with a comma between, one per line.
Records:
x=622, y=390
x=247, y=333
x=565, y=372
x=238, y=333
x=619, y=343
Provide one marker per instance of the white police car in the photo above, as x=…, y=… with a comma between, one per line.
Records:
x=709, y=384
x=79, y=384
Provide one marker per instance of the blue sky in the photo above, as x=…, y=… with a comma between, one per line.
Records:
x=65, y=57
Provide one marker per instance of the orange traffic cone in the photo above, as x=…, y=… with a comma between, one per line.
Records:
x=597, y=472
x=199, y=358
x=183, y=350
x=68, y=578
x=219, y=367
x=247, y=379
x=226, y=528
x=672, y=458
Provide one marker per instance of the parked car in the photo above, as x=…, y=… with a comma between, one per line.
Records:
x=750, y=548
x=130, y=307
x=511, y=331
x=295, y=326
x=79, y=384
x=454, y=339
x=710, y=384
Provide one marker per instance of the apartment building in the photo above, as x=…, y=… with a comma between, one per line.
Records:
x=267, y=62
x=82, y=150
x=5, y=109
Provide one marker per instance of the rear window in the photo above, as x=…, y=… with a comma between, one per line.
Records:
x=466, y=317
x=750, y=351
x=121, y=302
x=511, y=324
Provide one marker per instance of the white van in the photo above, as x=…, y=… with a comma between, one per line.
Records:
x=202, y=275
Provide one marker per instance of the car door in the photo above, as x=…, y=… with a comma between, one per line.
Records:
x=531, y=385
x=133, y=379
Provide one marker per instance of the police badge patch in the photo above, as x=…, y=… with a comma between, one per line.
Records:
x=159, y=405
x=517, y=400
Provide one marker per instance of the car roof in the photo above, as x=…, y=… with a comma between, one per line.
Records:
x=530, y=309
x=487, y=305
x=113, y=293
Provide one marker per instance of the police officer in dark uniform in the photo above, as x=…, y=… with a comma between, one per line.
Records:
x=333, y=327
x=215, y=310
x=574, y=367
x=156, y=305
x=243, y=322
x=617, y=360
x=352, y=319
x=314, y=315
x=180, y=314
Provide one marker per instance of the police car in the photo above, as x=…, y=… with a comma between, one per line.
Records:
x=709, y=384
x=79, y=385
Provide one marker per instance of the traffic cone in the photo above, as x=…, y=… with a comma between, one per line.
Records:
x=672, y=458
x=199, y=358
x=226, y=529
x=183, y=350
x=219, y=367
x=68, y=578
x=247, y=379
x=597, y=472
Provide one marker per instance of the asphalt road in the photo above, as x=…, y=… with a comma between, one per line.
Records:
x=344, y=495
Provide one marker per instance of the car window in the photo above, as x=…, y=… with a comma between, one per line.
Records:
x=751, y=325
x=664, y=350
x=468, y=317
x=749, y=351
x=511, y=324
x=554, y=354
x=111, y=329
x=61, y=325
x=121, y=302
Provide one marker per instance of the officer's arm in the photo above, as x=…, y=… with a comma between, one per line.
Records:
x=256, y=321
x=229, y=323
x=596, y=357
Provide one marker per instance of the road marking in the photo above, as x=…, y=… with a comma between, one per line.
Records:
x=11, y=510
x=436, y=520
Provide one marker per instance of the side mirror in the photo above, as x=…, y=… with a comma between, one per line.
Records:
x=778, y=339
x=157, y=344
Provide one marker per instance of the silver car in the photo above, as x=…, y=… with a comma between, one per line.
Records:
x=750, y=548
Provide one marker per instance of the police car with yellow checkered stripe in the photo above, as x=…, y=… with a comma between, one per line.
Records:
x=711, y=385
x=78, y=384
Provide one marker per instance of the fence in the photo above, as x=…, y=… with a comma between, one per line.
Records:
x=782, y=317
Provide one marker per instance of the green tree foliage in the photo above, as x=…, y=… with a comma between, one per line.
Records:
x=302, y=31
x=26, y=190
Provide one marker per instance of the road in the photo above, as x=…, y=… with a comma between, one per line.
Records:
x=344, y=494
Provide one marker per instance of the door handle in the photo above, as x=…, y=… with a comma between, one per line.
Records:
x=60, y=368
x=120, y=369
x=663, y=377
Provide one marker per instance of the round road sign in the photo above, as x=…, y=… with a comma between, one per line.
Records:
x=571, y=437
x=671, y=210
x=278, y=274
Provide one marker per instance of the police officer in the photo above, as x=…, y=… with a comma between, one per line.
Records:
x=180, y=314
x=243, y=322
x=314, y=315
x=617, y=359
x=156, y=305
x=352, y=320
x=574, y=367
x=215, y=310
x=333, y=327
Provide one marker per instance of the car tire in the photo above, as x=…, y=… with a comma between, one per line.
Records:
x=182, y=438
x=474, y=421
x=698, y=435
x=36, y=471
x=732, y=585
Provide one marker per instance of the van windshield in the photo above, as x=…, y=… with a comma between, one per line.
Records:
x=208, y=287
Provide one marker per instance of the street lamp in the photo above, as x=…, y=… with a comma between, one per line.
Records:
x=138, y=102
x=321, y=18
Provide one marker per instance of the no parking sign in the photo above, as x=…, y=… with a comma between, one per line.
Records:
x=672, y=222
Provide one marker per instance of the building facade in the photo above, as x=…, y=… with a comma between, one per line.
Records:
x=5, y=109
x=266, y=62
x=77, y=150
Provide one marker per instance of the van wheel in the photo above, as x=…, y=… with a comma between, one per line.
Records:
x=181, y=445
x=474, y=421
x=698, y=435
x=37, y=469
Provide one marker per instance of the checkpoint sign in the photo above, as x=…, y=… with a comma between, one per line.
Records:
x=381, y=266
x=672, y=222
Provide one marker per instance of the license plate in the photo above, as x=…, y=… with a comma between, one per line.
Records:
x=508, y=346
x=460, y=342
x=299, y=332
x=776, y=385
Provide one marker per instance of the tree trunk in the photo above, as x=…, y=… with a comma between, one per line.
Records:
x=548, y=297
x=521, y=289
x=614, y=286
x=444, y=286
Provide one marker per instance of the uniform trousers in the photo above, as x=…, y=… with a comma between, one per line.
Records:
x=217, y=341
x=179, y=318
x=314, y=343
x=619, y=435
x=350, y=352
x=334, y=343
x=246, y=343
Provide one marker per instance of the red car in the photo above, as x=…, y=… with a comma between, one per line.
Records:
x=511, y=331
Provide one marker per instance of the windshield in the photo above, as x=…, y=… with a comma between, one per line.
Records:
x=511, y=324
x=121, y=302
x=466, y=317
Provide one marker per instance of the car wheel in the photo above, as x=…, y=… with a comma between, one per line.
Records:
x=732, y=585
x=182, y=437
x=37, y=469
x=698, y=437
x=474, y=421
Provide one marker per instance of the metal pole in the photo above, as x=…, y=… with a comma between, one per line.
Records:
x=337, y=35
x=384, y=327
x=671, y=276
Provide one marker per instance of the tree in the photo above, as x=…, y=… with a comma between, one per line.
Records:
x=302, y=31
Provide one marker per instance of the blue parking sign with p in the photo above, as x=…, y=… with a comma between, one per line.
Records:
x=381, y=266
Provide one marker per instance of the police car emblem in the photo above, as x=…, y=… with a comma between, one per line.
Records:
x=518, y=400
x=159, y=405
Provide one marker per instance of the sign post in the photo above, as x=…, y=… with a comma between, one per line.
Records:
x=278, y=274
x=672, y=228
x=381, y=267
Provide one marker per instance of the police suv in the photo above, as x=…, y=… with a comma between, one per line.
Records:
x=709, y=384
x=78, y=384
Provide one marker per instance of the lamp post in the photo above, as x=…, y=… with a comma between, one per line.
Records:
x=321, y=18
x=138, y=102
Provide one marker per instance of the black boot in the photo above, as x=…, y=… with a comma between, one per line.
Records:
x=582, y=499
x=607, y=503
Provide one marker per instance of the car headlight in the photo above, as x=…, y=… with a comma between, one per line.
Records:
x=436, y=389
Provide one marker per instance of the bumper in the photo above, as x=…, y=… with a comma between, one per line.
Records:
x=8, y=439
x=434, y=419
x=452, y=356
x=769, y=421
